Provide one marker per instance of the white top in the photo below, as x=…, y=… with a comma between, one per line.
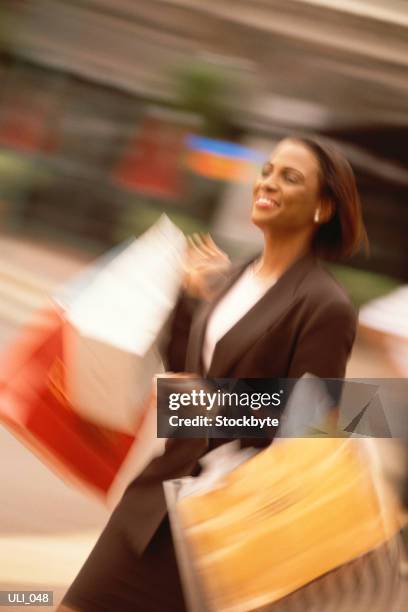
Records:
x=240, y=298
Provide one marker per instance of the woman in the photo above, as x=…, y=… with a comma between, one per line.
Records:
x=281, y=315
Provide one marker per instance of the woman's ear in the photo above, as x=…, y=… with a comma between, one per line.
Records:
x=324, y=212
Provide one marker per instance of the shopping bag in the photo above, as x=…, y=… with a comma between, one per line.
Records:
x=287, y=516
x=66, y=294
x=35, y=407
x=115, y=325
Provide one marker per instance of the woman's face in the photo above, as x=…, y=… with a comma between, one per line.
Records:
x=286, y=195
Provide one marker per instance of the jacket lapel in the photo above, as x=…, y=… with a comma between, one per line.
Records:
x=266, y=313
x=194, y=362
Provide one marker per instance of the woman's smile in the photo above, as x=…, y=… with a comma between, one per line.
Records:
x=266, y=202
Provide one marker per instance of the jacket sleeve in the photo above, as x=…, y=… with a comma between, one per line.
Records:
x=174, y=350
x=325, y=341
x=175, y=345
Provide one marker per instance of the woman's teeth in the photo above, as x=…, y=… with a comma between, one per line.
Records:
x=265, y=203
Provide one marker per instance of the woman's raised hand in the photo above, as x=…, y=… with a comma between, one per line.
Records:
x=204, y=264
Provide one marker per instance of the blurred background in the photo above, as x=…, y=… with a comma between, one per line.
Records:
x=112, y=111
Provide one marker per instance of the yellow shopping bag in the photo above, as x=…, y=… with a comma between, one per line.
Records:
x=290, y=514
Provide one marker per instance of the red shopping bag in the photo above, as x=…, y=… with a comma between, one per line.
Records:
x=34, y=406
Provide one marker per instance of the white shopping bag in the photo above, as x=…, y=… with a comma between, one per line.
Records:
x=145, y=448
x=114, y=326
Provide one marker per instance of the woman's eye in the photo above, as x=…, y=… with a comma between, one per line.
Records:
x=291, y=178
x=265, y=170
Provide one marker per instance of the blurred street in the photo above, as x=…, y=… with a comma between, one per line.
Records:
x=47, y=527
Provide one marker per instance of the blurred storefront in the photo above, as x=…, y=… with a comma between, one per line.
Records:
x=93, y=130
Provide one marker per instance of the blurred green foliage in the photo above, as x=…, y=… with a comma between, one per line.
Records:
x=362, y=285
x=17, y=172
x=207, y=90
x=187, y=223
x=141, y=215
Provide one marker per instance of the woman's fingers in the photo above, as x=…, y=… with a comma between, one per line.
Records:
x=203, y=260
x=208, y=245
x=194, y=254
x=195, y=250
x=204, y=244
x=215, y=249
x=201, y=246
x=209, y=242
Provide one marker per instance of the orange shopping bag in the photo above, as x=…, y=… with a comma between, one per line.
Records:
x=291, y=514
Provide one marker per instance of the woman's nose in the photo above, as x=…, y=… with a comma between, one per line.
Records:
x=269, y=183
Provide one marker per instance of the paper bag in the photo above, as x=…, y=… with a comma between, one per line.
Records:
x=115, y=326
x=284, y=518
x=35, y=407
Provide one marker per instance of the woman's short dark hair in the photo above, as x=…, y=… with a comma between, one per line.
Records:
x=344, y=233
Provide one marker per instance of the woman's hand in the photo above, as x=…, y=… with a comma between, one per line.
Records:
x=205, y=262
x=172, y=375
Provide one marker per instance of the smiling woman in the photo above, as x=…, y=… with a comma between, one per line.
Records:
x=287, y=192
x=307, y=193
x=279, y=315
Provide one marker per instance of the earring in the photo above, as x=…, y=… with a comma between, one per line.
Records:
x=316, y=218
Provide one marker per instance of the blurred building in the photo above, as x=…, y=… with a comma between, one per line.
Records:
x=79, y=79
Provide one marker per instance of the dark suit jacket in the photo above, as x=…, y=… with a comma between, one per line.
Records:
x=303, y=324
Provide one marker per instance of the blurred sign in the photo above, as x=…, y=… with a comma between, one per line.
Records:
x=221, y=160
x=25, y=131
x=152, y=162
